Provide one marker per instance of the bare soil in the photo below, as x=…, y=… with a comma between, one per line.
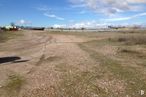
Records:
x=70, y=65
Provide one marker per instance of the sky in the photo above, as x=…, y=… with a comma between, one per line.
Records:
x=72, y=13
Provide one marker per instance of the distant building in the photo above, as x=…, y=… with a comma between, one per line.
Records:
x=9, y=28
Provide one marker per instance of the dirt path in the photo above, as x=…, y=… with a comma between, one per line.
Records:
x=40, y=55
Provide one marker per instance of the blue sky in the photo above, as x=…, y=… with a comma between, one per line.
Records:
x=72, y=13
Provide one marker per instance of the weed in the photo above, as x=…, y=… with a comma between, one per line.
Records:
x=13, y=85
x=132, y=40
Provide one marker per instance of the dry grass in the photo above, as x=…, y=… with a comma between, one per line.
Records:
x=13, y=85
x=6, y=35
x=106, y=74
x=75, y=83
x=132, y=40
x=134, y=79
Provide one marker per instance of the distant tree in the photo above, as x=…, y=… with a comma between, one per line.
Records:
x=82, y=28
x=12, y=24
x=52, y=28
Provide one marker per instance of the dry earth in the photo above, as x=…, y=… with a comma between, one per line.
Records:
x=66, y=65
x=42, y=54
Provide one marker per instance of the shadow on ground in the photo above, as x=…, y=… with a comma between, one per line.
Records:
x=13, y=59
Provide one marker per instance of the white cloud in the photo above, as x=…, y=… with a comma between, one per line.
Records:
x=59, y=26
x=103, y=23
x=95, y=25
x=46, y=12
x=136, y=1
x=23, y=22
x=43, y=8
x=126, y=18
x=84, y=24
x=109, y=7
x=53, y=16
x=87, y=24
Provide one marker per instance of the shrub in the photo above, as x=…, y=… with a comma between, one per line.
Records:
x=133, y=40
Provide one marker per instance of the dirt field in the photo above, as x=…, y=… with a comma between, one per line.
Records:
x=69, y=64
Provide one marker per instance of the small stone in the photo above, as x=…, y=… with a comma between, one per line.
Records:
x=141, y=92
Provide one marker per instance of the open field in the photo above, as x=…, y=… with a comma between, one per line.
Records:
x=73, y=64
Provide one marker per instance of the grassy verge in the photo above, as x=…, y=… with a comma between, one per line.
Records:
x=139, y=39
x=134, y=79
x=13, y=85
x=6, y=35
x=79, y=34
x=128, y=52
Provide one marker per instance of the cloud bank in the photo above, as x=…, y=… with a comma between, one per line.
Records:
x=126, y=18
x=83, y=24
x=109, y=7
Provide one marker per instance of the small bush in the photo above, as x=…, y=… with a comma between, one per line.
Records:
x=128, y=51
x=122, y=39
x=132, y=40
x=132, y=53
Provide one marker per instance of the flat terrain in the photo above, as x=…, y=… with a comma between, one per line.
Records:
x=73, y=64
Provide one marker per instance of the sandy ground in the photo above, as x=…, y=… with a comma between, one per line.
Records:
x=41, y=53
x=67, y=64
